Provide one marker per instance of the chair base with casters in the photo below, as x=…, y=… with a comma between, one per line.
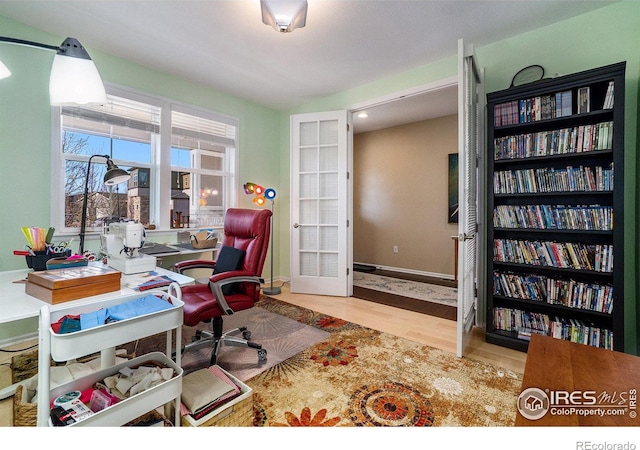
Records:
x=234, y=284
x=197, y=302
x=216, y=339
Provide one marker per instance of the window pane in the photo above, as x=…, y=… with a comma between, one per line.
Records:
x=180, y=199
x=104, y=203
x=131, y=151
x=198, y=144
x=211, y=192
x=212, y=161
x=180, y=157
x=138, y=195
x=77, y=143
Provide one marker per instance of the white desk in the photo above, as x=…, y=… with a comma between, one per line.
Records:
x=174, y=249
x=16, y=304
x=167, y=255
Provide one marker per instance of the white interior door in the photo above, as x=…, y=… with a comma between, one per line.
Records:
x=468, y=142
x=320, y=244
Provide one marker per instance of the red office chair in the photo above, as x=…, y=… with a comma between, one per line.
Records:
x=235, y=283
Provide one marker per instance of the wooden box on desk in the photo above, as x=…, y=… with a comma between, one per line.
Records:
x=63, y=285
x=235, y=413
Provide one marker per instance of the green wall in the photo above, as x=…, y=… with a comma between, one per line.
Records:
x=607, y=35
x=25, y=136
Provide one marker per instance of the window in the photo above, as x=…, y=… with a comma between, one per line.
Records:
x=182, y=175
x=200, y=165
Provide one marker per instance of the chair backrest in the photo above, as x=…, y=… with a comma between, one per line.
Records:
x=248, y=230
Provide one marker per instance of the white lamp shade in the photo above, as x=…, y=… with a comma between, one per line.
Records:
x=4, y=71
x=75, y=81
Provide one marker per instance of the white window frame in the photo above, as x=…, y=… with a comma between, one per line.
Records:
x=160, y=202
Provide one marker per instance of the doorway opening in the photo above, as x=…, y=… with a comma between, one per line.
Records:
x=400, y=216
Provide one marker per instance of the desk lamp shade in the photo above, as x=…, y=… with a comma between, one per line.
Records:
x=115, y=175
x=260, y=199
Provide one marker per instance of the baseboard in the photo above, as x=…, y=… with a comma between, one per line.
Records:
x=4, y=343
x=444, y=276
x=277, y=281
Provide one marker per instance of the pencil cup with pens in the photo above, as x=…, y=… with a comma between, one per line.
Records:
x=40, y=249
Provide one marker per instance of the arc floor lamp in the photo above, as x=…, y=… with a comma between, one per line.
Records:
x=74, y=77
x=260, y=199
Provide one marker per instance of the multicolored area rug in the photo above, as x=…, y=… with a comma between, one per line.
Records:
x=413, y=289
x=361, y=377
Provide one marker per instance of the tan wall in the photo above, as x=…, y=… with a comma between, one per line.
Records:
x=400, y=182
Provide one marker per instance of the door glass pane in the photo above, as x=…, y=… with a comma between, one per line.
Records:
x=308, y=186
x=308, y=238
x=308, y=133
x=329, y=159
x=308, y=264
x=328, y=265
x=329, y=239
x=329, y=185
x=308, y=160
x=329, y=212
x=329, y=132
x=308, y=212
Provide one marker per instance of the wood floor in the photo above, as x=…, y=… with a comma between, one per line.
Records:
x=430, y=330
x=433, y=331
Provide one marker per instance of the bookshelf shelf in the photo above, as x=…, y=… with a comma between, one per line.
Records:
x=555, y=210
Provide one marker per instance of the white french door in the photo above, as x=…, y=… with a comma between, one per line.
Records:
x=320, y=240
x=468, y=144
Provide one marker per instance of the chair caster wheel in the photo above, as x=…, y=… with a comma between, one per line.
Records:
x=262, y=355
x=246, y=334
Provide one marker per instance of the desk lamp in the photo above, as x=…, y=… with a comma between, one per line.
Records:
x=260, y=199
x=74, y=79
x=113, y=176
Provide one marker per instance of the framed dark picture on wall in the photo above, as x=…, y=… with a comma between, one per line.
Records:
x=453, y=188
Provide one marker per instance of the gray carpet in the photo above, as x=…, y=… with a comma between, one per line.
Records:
x=279, y=335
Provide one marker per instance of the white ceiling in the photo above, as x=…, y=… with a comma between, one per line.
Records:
x=346, y=43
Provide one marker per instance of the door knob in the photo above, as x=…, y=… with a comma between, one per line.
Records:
x=296, y=225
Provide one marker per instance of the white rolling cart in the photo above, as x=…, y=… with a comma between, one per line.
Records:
x=104, y=339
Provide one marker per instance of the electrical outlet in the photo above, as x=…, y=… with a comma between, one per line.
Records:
x=395, y=249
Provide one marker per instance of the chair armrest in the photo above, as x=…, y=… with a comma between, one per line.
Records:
x=181, y=266
x=217, y=281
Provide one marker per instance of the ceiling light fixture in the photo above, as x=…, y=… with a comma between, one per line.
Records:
x=284, y=15
x=74, y=79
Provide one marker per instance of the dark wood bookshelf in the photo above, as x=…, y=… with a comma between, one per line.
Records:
x=604, y=157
